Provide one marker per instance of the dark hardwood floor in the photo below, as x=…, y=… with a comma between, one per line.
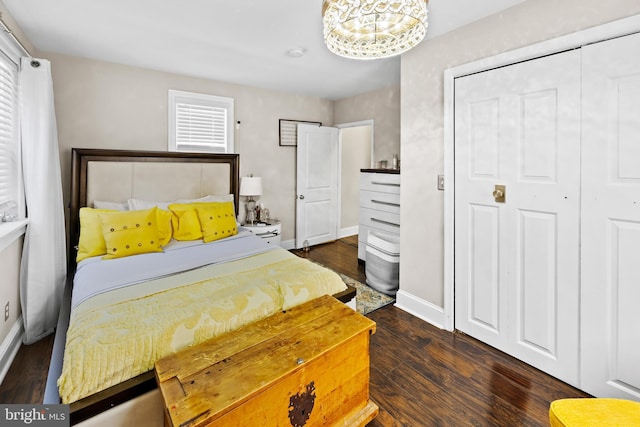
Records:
x=341, y=256
x=420, y=375
x=26, y=379
x=424, y=376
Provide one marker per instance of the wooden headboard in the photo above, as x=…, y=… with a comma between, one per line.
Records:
x=119, y=175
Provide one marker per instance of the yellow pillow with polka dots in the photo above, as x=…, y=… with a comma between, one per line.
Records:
x=185, y=222
x=130, y=233
x=217, y=220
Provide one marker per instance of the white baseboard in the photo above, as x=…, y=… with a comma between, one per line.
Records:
x=348, y=231
x=288, y=244
x=420, y=308
x=10, y=346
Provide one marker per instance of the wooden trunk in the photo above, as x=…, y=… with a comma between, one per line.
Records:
x=307, y=366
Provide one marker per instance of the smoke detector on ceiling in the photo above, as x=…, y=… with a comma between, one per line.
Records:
x=296, y=52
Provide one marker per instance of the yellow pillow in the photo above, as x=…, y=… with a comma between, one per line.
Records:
x=217, y=220
x=164, y=226
x=91, y=242
x=186, y=225
x=130, y=233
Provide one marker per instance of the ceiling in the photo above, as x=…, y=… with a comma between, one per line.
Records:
x=238, y=41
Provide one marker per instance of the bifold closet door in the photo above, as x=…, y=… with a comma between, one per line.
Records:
x=517, y=259
x=611, y=218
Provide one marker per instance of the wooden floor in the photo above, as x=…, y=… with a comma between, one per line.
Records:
x=341, y=256
x=420, y=375
x=424, y=376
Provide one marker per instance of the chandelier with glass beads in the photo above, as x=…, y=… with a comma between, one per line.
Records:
x=370, y=29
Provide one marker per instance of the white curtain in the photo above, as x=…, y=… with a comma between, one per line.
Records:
x=43, y=269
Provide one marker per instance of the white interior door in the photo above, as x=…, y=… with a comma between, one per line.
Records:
x=517, y=261
x=316, y=185
x=611, y=218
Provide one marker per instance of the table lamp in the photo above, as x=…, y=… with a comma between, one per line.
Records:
x=250, y=186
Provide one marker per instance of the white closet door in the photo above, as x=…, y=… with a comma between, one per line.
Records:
x=516, y=263
x=611, y=219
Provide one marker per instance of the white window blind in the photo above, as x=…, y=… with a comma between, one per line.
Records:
x=9, y=144
x=200, y=123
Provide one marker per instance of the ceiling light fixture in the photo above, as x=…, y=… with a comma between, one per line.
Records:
x=370, y=29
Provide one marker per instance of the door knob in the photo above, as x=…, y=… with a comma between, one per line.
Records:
x=301, y=197
x=499, y=193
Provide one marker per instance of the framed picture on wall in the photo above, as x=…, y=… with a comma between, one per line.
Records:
x=289, y=131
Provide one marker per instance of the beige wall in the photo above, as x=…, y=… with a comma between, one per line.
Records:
x=383, y=106
x=421, y=271
x=106, y=105
x=356, y=155
x=10, y=285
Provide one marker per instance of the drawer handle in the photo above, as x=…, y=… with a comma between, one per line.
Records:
x=380, y=202
x=384, y=222
x=386, y=183
x=267, y=234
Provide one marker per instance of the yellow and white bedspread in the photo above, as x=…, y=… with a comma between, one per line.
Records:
x=116, y=335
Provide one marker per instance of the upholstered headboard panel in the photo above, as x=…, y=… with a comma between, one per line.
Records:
x=119, y=175
x=118, y=182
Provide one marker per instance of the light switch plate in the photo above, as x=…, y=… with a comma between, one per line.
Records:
x=440, y=182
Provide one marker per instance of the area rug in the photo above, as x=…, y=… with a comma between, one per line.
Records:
x=367, y=298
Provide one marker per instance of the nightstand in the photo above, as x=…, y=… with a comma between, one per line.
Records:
x=270, y=231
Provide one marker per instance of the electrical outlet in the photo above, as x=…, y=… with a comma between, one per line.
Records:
x=6, y=311
x=440, y=182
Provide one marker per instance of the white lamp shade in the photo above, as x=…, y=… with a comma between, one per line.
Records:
x=250, y=186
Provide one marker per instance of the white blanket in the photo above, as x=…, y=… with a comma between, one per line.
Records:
x=95, y=275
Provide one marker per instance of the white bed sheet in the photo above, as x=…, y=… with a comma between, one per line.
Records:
x=95, y=276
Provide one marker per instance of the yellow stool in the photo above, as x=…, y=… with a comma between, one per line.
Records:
x=600, y=412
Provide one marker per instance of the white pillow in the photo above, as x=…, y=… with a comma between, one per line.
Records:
x=114, y=206
x=138, y=204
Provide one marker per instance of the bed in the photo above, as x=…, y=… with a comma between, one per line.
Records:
x=121, y=314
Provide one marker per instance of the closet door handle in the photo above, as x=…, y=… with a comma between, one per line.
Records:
x=499, y=193
x=380, y=221
x=380, y=202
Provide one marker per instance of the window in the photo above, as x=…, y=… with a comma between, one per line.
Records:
x=10, y=181
x=200, y=123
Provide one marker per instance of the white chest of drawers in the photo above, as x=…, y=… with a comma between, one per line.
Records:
x=379, y=206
